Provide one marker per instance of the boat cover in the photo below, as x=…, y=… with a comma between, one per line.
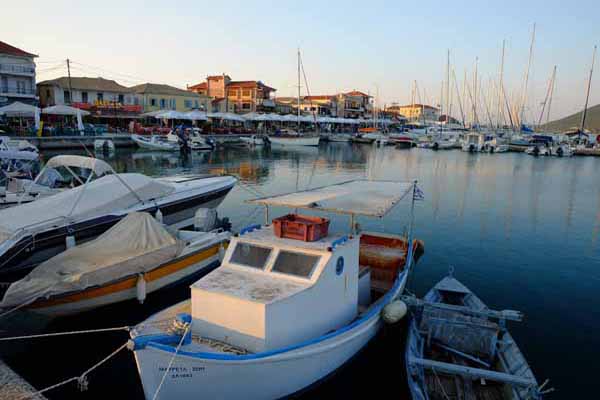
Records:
x=98, y=166
x=103, y=196
x=136, y=244
x=359, y=197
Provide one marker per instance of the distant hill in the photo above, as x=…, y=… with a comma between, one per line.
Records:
x=592, y=121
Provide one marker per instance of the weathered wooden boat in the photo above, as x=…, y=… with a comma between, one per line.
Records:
x=280, y=314
x=136, y=257
x=457, y=348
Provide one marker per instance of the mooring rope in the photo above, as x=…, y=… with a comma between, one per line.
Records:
x=81, y=379
x=42, y=335
x=187, y=328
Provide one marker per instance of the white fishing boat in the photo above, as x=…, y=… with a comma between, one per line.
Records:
x=280, y=314
x=538, y=150
x=339, y=137
x=194, y=141
x=31, y=233
x=253, y=140
x=474, y=142
x=134, y=258
x=290, y=138
x=458, y=348
x=561, y=150
x=155, y=142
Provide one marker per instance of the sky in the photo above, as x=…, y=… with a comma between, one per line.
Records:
x=373, y=46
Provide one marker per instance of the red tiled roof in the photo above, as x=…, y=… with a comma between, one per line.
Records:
x=197, y=86
x=248, y=84
x=218, y=77
x=357, y=93
x=319, y=97
x=6, y=48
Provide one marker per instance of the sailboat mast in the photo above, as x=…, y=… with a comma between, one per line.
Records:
x=551, y=95
x=298, y=118
x=448, y=89
x=548, y=94
x=501, y=83
x=474, y=97
x=587, y=96
x=460, y=102
x=524, y=100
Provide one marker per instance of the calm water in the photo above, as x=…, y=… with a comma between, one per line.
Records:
x=521, y=232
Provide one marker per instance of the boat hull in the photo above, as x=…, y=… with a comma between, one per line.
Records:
x=147, y=144
x=294, y=141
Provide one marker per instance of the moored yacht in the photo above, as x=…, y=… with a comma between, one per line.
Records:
x=31, y=233
x=289, y=305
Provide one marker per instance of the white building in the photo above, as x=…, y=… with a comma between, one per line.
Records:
x=17, y=75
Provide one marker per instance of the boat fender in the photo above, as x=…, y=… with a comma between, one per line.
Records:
x=140, y=287
x=159, y=216
x=221, y=252
x=70, y=241
x=394, y=311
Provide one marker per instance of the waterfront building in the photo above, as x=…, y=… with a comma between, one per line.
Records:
x=17, y=75
x=154, y=96
x=236, y=96
x=354, y=104
x=416, y=111
x=102, y=97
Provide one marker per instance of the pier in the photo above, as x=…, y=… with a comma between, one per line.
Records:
x=13, y=386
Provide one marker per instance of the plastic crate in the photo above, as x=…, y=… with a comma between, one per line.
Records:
x=301, y=227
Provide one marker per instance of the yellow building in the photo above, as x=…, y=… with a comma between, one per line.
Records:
x=416, y=111
x=153, y=97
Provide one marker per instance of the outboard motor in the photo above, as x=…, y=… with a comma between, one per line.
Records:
x=536, y=151
x=471, y=148
x=559, y=151
x=436, y=146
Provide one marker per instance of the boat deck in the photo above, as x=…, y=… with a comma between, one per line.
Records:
x=265, y=235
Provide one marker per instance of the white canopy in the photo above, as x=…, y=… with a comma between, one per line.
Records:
x=170, y=114
x=360, y=197
x=64, y=110
x=98, y=166
x=102, y=196
x=233, y=117
x=18, y=109
x=138, y=243
x=196, y=115
x=152, y=113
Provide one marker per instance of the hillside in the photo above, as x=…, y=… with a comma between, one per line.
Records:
x=592, y=121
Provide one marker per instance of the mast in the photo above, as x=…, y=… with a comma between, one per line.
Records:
x=298, y=117
x=501, y=83
x=412, y=104
x=587, y=96
x=448, y=89
x=474, y=99
x=464, y=92
x=548, y=95
x=460, y=104
x=551, y=95
x=524, y=100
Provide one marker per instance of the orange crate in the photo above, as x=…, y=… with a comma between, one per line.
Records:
x=301, y=227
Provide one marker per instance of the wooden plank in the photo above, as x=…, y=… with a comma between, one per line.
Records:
x=470, y=372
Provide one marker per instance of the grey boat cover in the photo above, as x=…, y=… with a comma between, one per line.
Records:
x=103, y=196
x=136, y=244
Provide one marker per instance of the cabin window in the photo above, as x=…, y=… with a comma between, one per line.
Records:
x=297, y=264
x=250, y=255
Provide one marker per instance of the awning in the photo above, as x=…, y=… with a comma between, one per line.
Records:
x=64, y=110
x=359, y=197
x=196, y=115
x=170, y=114
x=18, y=109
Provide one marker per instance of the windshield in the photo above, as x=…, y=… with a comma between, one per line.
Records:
x=250, y=255
x=296, y=264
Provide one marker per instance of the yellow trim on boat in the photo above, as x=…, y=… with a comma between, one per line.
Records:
x=129, y=282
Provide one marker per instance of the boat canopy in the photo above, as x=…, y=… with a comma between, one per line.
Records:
x=136, y=244
x=104, y=196
x=358, y=197
x=18, y=155
x=98, y=166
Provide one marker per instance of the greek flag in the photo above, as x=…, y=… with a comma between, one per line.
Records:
x=418, y=194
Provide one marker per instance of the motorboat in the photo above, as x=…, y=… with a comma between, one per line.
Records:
x=133, y=259
x=193, y=141
x=561, y=150
x=340, y=137
x=253, y=140
x=458, y=348
x=289, y=305
x=155, y=142
x=496, y=145
x=538, y=150
x=59, y=173
x=104, y=145
x=402, y=141
x=31, y=233
x=474, y=142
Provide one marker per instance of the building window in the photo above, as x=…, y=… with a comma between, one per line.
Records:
x=100, y=96
x=187, y=103
x=196, y=105
x=136, y=101
x=121, y=99
x=163, y=103
x=246, y=93
x=153, y=102
x=173, y=103
x=233, y=93
x=84, y=97
x=245, y=106
x=67, y=96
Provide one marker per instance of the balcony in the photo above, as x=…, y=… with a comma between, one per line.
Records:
x=16, y=91
x=13, y=69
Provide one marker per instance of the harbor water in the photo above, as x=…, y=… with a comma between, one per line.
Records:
x=522, y=232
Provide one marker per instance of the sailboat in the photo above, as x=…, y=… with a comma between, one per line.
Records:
x=295, y=138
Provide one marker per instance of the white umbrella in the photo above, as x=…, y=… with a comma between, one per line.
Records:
x=152, y=113
x=215, y=115
x=18, y=109
x=233, y=117
x=80, y=122
x=37, y=118
x=171, y=114
x=64, y=110
x=196, y=115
